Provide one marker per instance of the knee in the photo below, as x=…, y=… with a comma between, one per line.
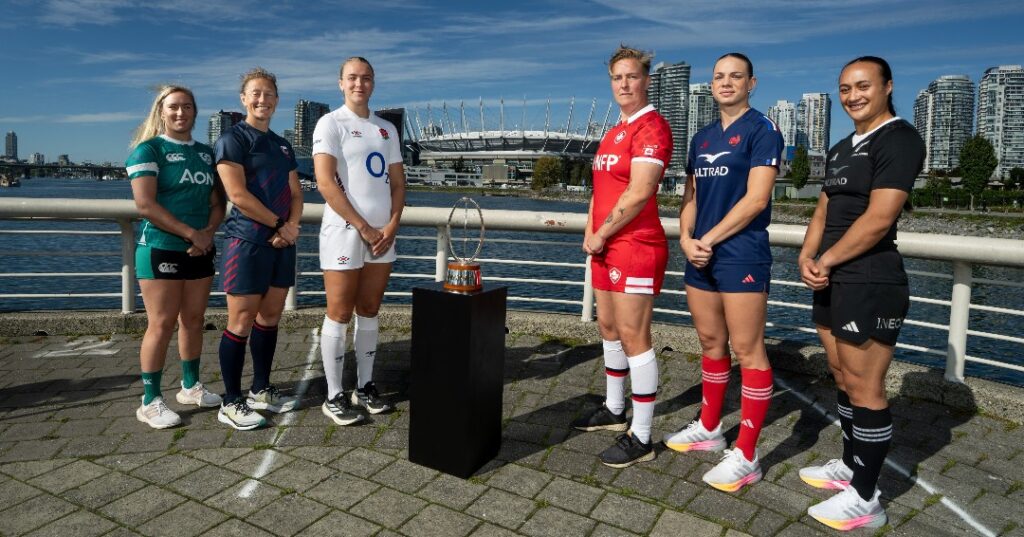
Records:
x=161, y=325
x=339, y=315
x=714, y=345
x=191, y=322
x=607, y=330
x=368, y=310
x=750, y=354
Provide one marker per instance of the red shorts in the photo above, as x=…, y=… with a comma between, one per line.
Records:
x=628, y=265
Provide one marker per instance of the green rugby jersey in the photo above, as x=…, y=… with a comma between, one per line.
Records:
x=184, y=174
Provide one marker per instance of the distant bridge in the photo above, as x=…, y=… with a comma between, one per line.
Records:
x=23, y=169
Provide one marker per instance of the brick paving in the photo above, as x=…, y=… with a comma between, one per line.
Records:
x=74, y=460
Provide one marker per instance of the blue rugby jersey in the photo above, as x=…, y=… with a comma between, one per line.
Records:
x=720, y=162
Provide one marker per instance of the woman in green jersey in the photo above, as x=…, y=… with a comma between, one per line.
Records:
x=181, y=204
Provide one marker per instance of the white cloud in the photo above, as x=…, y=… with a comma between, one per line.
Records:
x=74, y=12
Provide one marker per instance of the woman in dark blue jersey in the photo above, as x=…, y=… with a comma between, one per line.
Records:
x=861, y=298
x=258, y=169
x=726, y=209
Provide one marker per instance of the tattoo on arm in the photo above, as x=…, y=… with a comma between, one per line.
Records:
x=622, y=211
x=609, y=219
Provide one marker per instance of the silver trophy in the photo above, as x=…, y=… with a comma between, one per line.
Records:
x=464, y=272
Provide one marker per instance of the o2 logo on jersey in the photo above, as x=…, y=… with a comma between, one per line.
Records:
x=605, y=162
x=375, y=164
x=197, y=178
x=619, y=137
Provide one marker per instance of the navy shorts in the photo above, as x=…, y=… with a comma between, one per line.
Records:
x=730, y=278
x=858, y=311
x=251, y=269
x=158, y=264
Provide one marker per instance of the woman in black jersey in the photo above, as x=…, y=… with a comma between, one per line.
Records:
x=849, y=259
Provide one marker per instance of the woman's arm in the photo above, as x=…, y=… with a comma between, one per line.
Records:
x=884, y=207
x=697, y=252
x=644, y=178
x=144, y=192
x=759, y=193
x=232, y=175
x=325, y=167
x=809, y=272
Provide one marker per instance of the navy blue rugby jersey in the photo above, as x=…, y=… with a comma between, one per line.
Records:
x=267, y=159
x=720, y=162
x=891, y=156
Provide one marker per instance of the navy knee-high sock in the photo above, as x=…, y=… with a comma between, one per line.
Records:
x=262, y=342
x=232, y=360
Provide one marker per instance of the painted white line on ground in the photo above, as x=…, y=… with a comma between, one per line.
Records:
x=271, y=454
x=928, y=487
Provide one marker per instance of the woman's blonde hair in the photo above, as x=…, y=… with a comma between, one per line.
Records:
x=154, y=125
x=255, y=73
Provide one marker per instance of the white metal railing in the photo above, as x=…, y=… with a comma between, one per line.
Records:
x=963, y=252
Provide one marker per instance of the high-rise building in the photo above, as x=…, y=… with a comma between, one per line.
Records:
x=703, y=110
x=38, y=159
x=813, y=121
x=222, y=121
x=63, y=160
x=669, y=93
x=1001, y=115
x=307, y=113
x=11, y=151
x=783, y=113
x=944, y=117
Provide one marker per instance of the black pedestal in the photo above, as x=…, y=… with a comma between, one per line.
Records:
x=458, y=355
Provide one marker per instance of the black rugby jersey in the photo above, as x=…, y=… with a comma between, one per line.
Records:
x=890, y=157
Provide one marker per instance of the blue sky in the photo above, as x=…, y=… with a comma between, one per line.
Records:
x=77, y=74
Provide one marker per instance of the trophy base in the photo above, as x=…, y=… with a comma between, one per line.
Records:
x=463, y=278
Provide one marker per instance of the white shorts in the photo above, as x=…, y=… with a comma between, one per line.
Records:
x=343, y=248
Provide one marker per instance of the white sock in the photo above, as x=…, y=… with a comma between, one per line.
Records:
x=643, y=371
x=616, y=369
x=332, y=352
x=365, y=343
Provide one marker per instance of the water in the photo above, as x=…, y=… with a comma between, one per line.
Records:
x=101, y=253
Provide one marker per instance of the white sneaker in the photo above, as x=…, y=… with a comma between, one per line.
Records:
x=847, y=510
x=733, y=471
x=270, y=398
x=694, y=437
x=157, y=415
x=240, y=416
x=833, y=475
x=198, y=395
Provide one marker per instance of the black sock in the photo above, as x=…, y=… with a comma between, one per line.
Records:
x=262, y=342
x=232, y=360
x=872, y=434
x=846, y=424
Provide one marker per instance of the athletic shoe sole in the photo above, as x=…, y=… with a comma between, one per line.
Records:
x=221, y=417
x=748, y=479
x=827, y=484
x=646, y=458
x=866, y=521
x=356, y=402
x=703, y=445
x=142, y=418
x=617, y=427
x=338, y=420
x=276, y=409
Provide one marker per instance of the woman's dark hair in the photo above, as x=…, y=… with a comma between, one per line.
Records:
x=883, y=67
x=740, y=56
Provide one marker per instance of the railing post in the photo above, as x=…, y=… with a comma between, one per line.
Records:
x=587, y=315
x=127, y=266
x=959, y=311
x=441, y=264
x=290, y=300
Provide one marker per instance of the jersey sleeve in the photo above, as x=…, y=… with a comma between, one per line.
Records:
x=766, y=147
x=142, y=162
x=230, y=148
x=326, y=138
x=652, y=142
x=293, y=164
x=691, y=155
x=394, y=147
x=898, y=158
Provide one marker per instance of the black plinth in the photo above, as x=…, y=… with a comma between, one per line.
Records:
x=458, y=355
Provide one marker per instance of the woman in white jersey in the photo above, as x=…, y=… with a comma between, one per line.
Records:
x=358, y=165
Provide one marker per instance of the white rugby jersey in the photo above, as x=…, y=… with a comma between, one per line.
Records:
x=364, y=149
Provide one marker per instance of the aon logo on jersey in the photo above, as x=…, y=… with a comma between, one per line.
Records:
x=605, y=162
x=197, y=178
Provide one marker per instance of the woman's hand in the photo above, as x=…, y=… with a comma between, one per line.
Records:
x=697, y=252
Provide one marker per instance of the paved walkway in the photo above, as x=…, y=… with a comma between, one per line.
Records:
x=74, y=460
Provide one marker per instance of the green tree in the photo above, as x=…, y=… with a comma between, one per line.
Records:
x=1016, y=179
x=977, y=162
x=547, y=171
x=800, y=168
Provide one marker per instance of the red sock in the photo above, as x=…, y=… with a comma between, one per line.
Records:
x=757, y=395
x=715, y=375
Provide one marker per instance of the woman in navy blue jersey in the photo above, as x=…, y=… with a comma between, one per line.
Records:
x=258, y=170
x=726, y=209
x=861, y=298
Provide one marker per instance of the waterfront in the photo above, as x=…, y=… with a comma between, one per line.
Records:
x=78, y=254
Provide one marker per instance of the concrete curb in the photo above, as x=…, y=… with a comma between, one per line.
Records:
x=909, y=380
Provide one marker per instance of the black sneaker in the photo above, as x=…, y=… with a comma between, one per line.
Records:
x=602, y=419
x=370, y=399
x=627, y=451
x=339, y=410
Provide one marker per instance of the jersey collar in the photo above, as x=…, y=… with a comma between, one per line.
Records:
x=858, y=138
x=636, y=115
x=173, y=141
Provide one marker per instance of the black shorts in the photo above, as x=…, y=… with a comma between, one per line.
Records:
x=858, y=311
x=157, y=264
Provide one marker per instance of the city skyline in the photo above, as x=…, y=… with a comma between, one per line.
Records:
x=78, y=73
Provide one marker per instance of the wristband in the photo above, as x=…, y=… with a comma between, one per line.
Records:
x=279, y=224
